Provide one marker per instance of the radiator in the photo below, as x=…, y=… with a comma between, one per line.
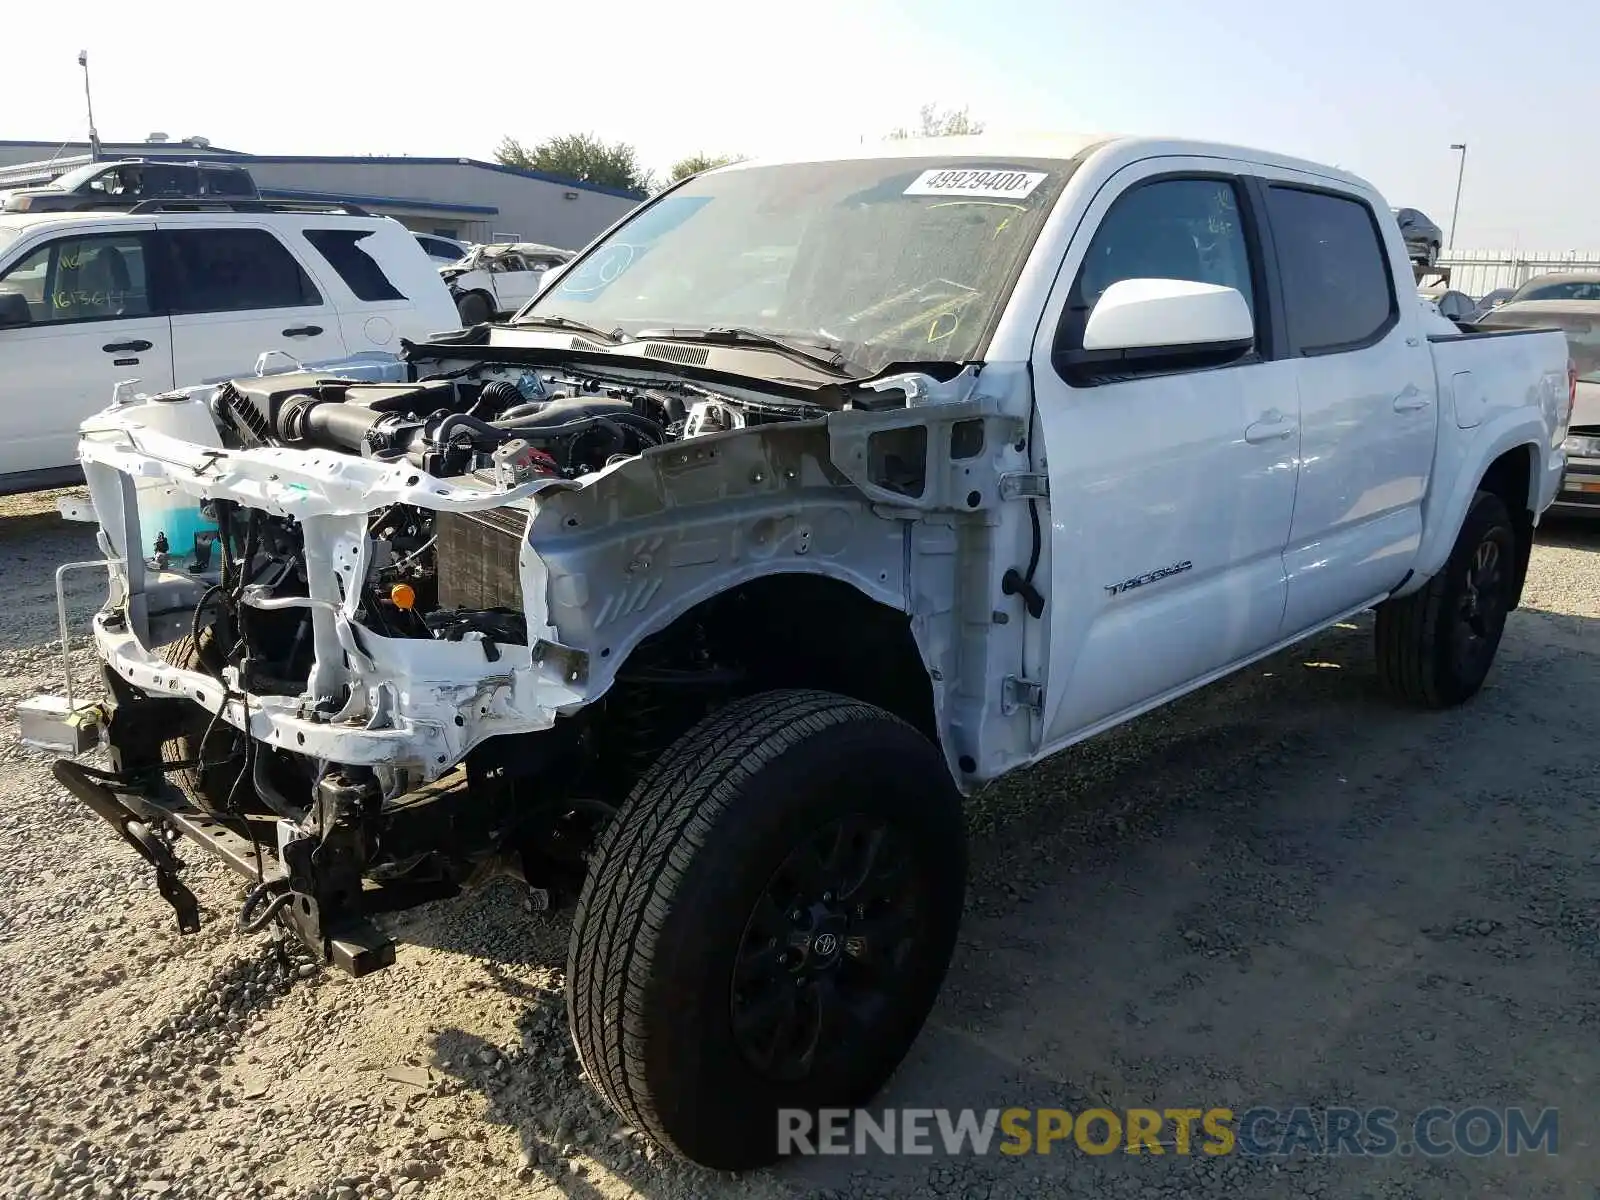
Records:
x=477, y=555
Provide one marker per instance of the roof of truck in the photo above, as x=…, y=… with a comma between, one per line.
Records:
x=1046, y=145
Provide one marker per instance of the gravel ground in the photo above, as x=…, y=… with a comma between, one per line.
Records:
x=1280, y=891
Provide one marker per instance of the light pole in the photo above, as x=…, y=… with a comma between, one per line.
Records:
x=94, y=138
x=1460, y=171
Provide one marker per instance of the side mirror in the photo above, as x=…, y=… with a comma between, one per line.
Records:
x=1147, y=314
x=1153, y=326
x=14, y=310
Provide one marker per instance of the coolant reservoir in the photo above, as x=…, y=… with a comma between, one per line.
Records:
x=170, y=520
x=166, y=512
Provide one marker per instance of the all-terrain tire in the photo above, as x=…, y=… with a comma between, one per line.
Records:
x=474, y=309
x=671, y=899
x=1424, y=655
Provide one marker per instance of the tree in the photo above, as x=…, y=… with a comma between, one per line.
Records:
x=512, y=153
x=696, y=163
x=581, y=157
x=952, y=122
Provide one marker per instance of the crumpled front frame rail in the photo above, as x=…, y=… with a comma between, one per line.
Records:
x=620, y=555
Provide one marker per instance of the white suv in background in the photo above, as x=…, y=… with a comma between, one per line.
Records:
x=180, y=292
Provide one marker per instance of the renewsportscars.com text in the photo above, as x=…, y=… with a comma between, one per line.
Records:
x=1256, y=1132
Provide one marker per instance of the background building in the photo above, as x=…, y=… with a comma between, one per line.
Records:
x=456, y=197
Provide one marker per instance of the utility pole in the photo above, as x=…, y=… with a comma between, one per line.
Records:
x=94, y=138
x=1460, y=171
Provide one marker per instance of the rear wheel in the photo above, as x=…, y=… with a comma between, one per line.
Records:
x=766, y=923
x=474, y=309
x=1435, y=646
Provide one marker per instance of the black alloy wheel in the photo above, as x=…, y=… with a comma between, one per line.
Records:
x=820, y=963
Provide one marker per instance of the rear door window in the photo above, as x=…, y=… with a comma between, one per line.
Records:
x=359, y=270
x=1338, y=292
x=233, y=270
x=169, y=179
x=221, y=182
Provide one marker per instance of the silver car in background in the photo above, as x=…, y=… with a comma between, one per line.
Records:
x=1571, y=303
x=1580, y=286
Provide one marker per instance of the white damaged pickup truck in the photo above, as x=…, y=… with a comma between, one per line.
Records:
x=813, y=495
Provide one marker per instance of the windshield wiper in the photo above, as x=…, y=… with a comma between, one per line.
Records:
x=815, y=351
x=615, y=337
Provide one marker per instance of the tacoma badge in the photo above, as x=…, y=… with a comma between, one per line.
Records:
x=1116, y=589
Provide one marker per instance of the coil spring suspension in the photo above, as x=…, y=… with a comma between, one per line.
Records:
x=666, y=687
x=639, y=723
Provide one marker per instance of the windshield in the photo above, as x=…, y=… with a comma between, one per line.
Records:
x=75, y=177
x=889, y=260
x=1571, y=289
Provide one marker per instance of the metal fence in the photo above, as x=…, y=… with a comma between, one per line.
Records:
x=1479, y=272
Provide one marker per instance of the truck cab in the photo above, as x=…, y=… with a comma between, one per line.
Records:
x=1281, y=472
x=113, y=186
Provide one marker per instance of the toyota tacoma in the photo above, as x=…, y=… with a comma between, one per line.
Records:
x=811, y=496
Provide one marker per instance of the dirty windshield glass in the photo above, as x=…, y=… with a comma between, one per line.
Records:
x=884, y=260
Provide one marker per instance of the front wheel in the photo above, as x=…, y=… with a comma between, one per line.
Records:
x=766, y=923
x=1436, y=646
x=205, y=757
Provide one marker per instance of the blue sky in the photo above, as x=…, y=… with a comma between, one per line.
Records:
x=1357, y=83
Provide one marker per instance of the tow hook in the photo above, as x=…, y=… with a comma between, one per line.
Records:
x=92, y=788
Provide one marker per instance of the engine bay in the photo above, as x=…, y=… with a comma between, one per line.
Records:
x=432, y=574
x=503, y=424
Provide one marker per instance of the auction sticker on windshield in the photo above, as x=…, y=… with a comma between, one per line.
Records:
x=954, y=181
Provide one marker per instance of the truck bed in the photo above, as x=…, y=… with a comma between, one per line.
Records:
x=1487, y=378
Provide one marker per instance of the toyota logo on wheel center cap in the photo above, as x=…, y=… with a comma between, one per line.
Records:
x=825, y=945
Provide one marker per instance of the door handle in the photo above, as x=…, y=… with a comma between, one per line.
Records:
x=124, y=347
x=1270, y=428
x=302, y=331
x=1411, y=399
